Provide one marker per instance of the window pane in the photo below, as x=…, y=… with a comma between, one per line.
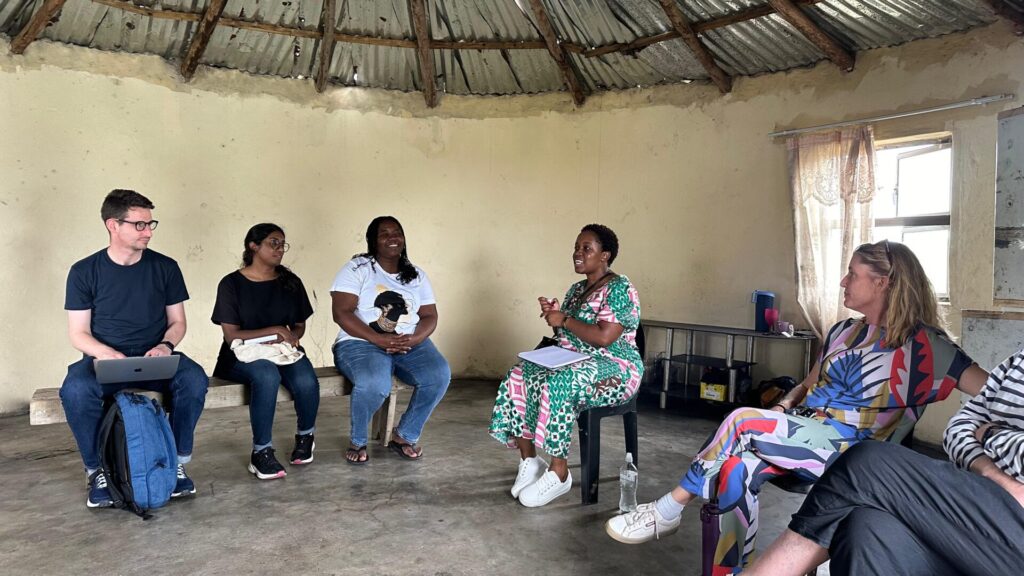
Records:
x=923, y=182
x=931, y=246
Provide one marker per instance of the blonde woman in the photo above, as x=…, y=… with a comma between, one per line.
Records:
x=872, y=381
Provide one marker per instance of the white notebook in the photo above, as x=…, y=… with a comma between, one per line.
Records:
x=552, y=357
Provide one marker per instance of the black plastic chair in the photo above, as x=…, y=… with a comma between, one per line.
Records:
x=589, y=424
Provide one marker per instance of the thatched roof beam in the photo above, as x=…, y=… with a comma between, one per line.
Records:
x=40, y=20
x=558, y=53
x=201, y=38
x=685, y=30
x=328, y=23
x=825, y=42
x=423, y=51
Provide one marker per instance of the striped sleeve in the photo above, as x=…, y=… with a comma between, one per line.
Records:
x=1001, y=402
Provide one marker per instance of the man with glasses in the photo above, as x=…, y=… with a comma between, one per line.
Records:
x=127, y=300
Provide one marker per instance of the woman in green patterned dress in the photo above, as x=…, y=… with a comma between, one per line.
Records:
x=536, y=407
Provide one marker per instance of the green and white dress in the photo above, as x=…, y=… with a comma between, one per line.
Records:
x=542, y=405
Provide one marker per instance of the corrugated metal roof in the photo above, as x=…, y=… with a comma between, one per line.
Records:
x=762, y=45
x=15, y=13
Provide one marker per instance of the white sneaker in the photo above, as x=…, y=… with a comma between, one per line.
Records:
x=544, y=490
x=530, y=470
x=642, y=525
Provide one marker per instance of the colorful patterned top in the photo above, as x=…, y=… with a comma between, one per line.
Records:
x=869, y=389
x=617, y=301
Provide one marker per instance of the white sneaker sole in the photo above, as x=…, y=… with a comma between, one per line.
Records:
x=626, y=540
x=263, y=476
x=183, y=493
x=91, y=504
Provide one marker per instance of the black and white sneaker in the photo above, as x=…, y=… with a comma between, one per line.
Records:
x=303, y=452
x=183, y=485
x=265, y=466
x=99, y=494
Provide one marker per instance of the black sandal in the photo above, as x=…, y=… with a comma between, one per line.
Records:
x=399, y=448
x=356, y=452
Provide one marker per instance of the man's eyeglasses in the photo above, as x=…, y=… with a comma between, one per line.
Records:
x=276, y=244
x=141, y=225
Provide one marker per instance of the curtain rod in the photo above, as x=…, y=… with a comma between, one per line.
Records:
x=964, y=104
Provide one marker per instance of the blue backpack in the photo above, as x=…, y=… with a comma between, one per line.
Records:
x=138, y=454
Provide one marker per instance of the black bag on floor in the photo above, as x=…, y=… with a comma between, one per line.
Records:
x=138, y=453
x=770, y=392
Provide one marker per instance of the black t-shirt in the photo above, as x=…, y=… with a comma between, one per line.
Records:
x=254, y=305
x=128, y=303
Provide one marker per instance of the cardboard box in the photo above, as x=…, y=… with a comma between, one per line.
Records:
x=714, y=392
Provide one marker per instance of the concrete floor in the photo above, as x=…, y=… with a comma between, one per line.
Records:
x=448, y=514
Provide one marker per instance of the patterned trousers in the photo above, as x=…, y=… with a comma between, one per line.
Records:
x=749, y=447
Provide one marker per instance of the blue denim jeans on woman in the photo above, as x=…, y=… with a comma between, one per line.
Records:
x=369, y=368
x=264, y=377
x=83, y=399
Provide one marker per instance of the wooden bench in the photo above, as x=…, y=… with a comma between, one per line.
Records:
x=46, y=408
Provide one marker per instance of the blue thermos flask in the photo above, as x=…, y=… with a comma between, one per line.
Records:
x=763, y=300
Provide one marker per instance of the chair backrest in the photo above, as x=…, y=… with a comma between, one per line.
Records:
x=641, y=341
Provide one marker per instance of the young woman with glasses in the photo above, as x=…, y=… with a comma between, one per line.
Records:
x=265, y=298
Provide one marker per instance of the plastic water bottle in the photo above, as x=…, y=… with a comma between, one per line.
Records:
x=628, y=477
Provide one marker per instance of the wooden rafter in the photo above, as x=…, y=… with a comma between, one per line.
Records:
x=1001, y=8
x=590, y=52
x=825, y=42
x=547, y=31
x=201, y=38
x=327, y=21
x=423, y=51
x=699, y=27
x=36, y=25
x=685, y=30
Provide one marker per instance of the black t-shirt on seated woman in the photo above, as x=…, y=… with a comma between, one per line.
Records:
x=254, y=305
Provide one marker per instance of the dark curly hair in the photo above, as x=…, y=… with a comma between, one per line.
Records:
x=406, y=271
x=256, y=235
x=609, y=241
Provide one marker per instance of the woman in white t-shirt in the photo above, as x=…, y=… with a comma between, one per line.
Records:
x=387, y=312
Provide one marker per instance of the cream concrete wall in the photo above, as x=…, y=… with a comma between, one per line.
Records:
x=491, y=190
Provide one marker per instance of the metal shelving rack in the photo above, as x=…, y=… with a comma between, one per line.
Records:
x=729, y=362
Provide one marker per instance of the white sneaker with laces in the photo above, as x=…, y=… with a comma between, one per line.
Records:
x=642, y=525
x=544, y=490
x=530, y=470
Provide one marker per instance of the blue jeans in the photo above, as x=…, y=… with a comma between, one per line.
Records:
x=369, y=369
x=83, y=399
x=264, y=377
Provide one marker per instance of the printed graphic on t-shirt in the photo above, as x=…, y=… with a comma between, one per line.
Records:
x=392, y=308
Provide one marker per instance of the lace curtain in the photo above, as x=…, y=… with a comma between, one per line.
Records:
x=833, y=181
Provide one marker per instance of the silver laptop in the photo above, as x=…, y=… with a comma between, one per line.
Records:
x=135, y=369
